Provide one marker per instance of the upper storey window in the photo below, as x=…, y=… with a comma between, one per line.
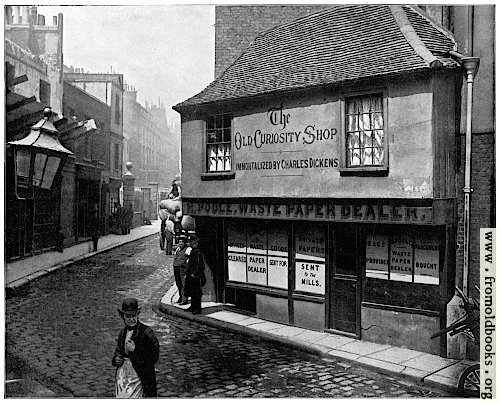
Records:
x=365, y=135
x=218, y=129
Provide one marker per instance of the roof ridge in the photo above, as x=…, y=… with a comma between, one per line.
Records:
x=412, y=37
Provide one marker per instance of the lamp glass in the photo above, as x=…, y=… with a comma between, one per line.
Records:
x=22, y=166
x=40, y=160
x=50, y=171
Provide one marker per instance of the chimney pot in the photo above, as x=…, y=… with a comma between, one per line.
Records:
x=54, y=21
x=41, y=19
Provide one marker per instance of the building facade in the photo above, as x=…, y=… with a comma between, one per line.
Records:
x=90, y=143
x=33, y=66
x=330, y=175
x=107, y=88
x=151, y=147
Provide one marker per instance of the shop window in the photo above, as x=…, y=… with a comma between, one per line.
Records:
x=408, y=257
x=365, y=137
x=310, y=252
x=258, y=255
x=218, y=147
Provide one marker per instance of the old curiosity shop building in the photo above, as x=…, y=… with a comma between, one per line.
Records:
x=321, y=168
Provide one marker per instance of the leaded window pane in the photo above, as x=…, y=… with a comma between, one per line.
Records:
x=365, y=131
x=218, y=132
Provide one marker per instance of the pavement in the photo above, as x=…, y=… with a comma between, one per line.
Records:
x=425, y=369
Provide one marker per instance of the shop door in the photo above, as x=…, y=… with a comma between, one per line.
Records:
x=345, y=290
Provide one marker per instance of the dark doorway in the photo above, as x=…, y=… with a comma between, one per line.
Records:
x=346, y=285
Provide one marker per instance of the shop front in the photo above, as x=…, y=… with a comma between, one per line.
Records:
x=367, y=269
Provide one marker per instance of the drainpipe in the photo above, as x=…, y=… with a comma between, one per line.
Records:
x=471, y=65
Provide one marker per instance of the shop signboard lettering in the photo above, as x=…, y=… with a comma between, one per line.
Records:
x=310, y=255
x=278, y=272
x=401, y=259
x=377, y=256
x=363, y=213
x=257, y=242
x=310, y=277
x=277, y=244
x=236, y=267
x=257, y=269
x=282, y=139
x=427, y=260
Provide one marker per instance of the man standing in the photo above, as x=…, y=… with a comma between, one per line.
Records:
x=137, y=351
x=180, y=260
x=195, y=275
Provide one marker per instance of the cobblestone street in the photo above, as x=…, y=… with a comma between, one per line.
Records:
x=63, y=326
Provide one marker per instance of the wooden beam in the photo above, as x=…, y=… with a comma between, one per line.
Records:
x=18, y=80
x=19, y=104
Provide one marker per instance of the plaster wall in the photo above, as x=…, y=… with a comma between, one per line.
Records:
x=409, y=136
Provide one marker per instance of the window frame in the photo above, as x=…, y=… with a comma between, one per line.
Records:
x=217, y=175
x=381, y=170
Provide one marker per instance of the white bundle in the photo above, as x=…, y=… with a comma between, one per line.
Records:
x=187, y=223
x=163, y=214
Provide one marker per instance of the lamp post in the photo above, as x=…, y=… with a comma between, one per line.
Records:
x=38, y=157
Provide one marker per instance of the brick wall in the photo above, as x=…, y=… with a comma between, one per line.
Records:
x=237, y=26
x=482, y=210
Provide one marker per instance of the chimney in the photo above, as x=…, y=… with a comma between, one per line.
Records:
x=54, y=21
x=16, y=15
x=41, y=19
x=25, y=15
x=32, y=16
x=8, y=15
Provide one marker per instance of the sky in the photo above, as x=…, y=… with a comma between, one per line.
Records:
x=165, y=51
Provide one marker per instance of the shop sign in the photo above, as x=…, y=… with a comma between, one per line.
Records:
x=367, y=213
x=427, y=261
x=278, y=272
x=280, y=140
x=257, y=269
x=377, y=256
x=310, y=277
x=401, y=259
x=258, y=256
x=310, y=253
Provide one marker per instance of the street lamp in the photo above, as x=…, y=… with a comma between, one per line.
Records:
x=38, y=156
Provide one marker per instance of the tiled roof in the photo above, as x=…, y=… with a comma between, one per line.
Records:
x=339, y=44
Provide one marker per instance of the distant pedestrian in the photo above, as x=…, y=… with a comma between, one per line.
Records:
x=180, y=261
x=137, y=351
x=95, y=227
x=169, y=241
x=195, y=275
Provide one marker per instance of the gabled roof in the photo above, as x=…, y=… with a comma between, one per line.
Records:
x=338, y=44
